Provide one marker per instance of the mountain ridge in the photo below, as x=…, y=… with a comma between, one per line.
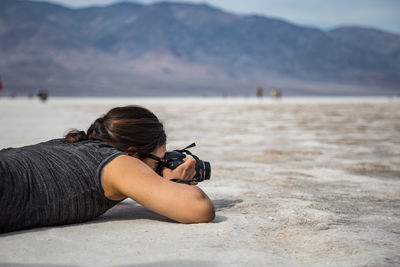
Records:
x=67, y=50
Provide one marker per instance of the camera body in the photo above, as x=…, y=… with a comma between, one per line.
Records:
x=175, y=158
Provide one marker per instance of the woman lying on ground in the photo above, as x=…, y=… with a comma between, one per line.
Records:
x=78, y=178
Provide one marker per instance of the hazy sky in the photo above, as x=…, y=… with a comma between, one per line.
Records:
x=383, y=14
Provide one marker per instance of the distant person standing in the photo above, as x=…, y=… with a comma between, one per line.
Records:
x=275, y=93
x=260, y=92
x=1, y=84
x=43, y=95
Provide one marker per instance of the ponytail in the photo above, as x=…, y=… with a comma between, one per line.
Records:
x=75, y=136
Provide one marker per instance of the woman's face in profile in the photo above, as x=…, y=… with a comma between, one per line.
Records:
x=158, y=152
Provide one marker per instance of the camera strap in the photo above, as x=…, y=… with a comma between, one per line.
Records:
x=186, y=149
x=180, y=181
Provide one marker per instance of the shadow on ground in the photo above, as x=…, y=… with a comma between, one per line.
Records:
x=129, y=210
x=223, y=204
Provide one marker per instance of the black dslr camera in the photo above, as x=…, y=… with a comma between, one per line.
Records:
x=173, y=159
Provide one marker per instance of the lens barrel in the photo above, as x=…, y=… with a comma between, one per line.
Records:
x=207, y=170
x=203, y=170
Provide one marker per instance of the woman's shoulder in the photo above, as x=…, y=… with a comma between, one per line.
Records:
x=87, y=150
x=59, y=142
x=91, y=148
x=84, y=145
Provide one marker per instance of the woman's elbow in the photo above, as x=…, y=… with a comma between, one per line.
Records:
x=202, y=211
x=206, y=212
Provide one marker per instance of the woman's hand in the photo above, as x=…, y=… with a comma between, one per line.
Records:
x=185, y=171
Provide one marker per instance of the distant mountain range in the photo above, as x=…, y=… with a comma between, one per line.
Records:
x=170, y=49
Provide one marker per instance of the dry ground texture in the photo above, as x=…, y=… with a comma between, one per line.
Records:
x=294, y=184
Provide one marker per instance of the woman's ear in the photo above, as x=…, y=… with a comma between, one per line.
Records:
x=131, y=151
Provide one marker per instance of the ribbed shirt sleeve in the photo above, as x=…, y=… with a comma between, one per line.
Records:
x=53, y=183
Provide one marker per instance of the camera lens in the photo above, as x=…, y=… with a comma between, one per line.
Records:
x=206, y=170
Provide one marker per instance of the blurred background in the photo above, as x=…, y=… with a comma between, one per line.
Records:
x=199, y=48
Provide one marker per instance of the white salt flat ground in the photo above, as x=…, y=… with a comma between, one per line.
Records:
x=298, y=182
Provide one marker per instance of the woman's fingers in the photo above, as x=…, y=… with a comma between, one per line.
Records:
x=185, y=171
x=189, y=167
x=190, y=161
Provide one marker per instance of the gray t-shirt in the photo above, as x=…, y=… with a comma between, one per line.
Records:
x=53, y=183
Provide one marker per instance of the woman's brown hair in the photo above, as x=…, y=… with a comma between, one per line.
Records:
x=131, y=129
